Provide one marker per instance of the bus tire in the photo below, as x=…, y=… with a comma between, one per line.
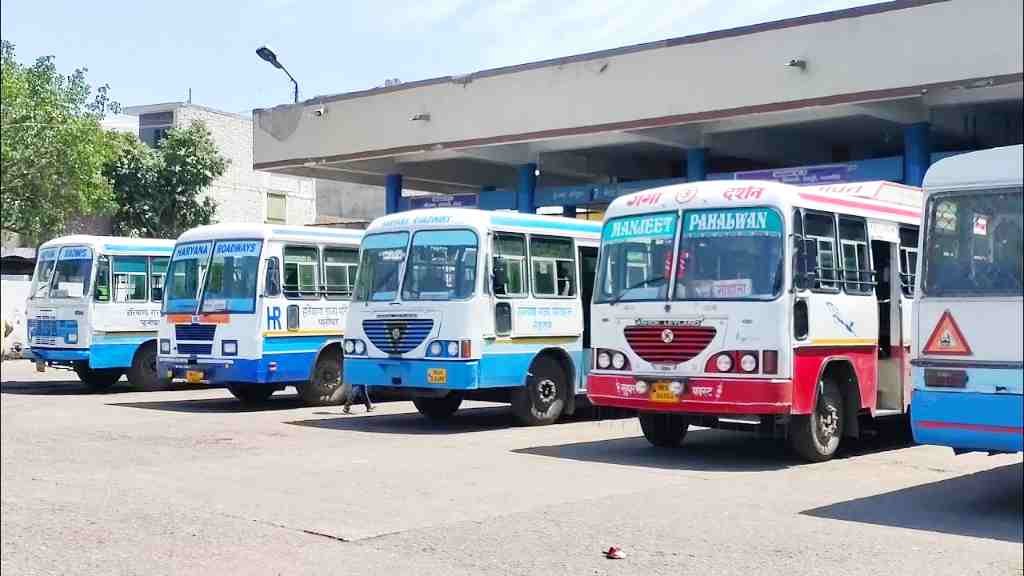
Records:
x=438, y=408
x=97, y=380
x=541, y=401
x=250, y=394
x=323, y=383
x=815, y=437
x=664, y=430
x=142, y=375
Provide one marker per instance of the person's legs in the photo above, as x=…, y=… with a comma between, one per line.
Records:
x=366, y=399
x=348, y=397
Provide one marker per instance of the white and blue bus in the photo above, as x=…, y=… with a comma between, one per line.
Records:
x=257, y=308
x=456, y=304
x=968, y=314
x=94, y=307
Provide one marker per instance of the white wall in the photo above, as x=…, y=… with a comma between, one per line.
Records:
x=14, y=291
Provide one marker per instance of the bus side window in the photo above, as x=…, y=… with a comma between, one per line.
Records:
x=130, y=278
x=157, y=271
x=301, y=272
x=908, y=259
x=340, y=272
x=554, y=267
x=510, y=265
x=272, y=281
x=799, y=262
x=102, y=289
x=820, y=248
x=853, y=239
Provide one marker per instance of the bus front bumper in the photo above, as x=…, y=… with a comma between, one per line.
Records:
x=968, y=420
x=412, y=373
x=58, y=356
x=217, y=371
x=700, y=395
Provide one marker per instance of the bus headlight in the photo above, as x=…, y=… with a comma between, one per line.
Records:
x=435, y=348
x=360, y=347
x=675, y=387
x=350, y=347
x=640, y=386
x=229, y=347
x=165, y=346
x=453, y=349
x=723, y=362
x=354, y=346
x=748, y=362
x=603, y=360
x=618, y=360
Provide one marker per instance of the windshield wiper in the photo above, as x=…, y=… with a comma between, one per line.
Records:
x=615, y=299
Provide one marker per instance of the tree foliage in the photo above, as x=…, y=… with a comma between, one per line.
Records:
x=52, y=146
x=159, y=192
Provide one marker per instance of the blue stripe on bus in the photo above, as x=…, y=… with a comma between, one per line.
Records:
x=568, y=225
x=139, y=250
x=973, y=421
x=295, y=344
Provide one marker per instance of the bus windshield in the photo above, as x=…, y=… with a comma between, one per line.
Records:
x=442, y=266
x=181, y=286
x=382, y=257
x=730, y=254
x=973, y=244
x=46, y=261
x=72, y=273
x=636, y=257
x=231, y=277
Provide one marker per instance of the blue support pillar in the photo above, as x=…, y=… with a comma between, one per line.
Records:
x=696, y=164
x=525, y=188
x=569, y=211
x=392, y=193
x=916, y=152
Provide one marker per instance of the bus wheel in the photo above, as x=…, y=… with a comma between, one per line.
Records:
x=251, y=394
x=326, y=379
x=97, y=380
x=143, y=375
x=439, y=408
x=815, y=437
x=664, y=430
x=541, y=401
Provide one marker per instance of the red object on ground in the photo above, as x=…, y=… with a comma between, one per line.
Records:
x=614, y=553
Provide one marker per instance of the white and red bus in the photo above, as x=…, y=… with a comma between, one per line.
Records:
x=729, y=303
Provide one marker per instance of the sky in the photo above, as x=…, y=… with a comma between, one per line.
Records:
x=150, y=52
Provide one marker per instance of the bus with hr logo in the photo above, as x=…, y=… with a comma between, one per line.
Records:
x=257, y=308
x=455, y=304
x=756, y=304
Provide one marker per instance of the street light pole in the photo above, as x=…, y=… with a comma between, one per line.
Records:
x=267, y=54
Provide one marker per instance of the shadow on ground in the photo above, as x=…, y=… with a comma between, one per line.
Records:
x=708, y=449
x=985, y=504
x=226, y=405
x=480, y=419
x=74, y=387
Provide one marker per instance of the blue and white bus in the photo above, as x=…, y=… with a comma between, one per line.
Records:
x=94, y=306
x=967, y=365
x=456, y=304
x=257, y=308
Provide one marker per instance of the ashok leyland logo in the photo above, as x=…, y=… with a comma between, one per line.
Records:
x=396, y=335
x=667, y=336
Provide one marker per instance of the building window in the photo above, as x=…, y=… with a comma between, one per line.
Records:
x=277, y=208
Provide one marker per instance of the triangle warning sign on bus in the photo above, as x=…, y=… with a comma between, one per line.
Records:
x=947, y=338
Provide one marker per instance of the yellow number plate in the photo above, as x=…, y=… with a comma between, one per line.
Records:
x=193, y=376
x=661, y=393
x=437, y=376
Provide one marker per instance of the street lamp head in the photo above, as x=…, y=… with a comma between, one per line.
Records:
x=267, y=54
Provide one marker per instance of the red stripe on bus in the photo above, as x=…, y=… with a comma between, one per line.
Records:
x=861, y=205
x=936, y=425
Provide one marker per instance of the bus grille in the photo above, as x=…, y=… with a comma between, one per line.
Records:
x=194, y=349
x=50, y=330
x=195, y=332
x=397, y=336
x=685, y=342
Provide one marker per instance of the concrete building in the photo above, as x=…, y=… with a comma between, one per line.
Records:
x=873, y=92
x=242, y=194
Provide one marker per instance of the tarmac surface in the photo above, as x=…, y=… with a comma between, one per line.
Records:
x=189, y=481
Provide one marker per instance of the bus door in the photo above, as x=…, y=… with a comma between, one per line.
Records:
x=588, y=275
x=885, y=258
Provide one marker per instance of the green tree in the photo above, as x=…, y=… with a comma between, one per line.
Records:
x=159, y=192
x=52, y=146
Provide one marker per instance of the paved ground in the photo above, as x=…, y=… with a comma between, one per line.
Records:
x=186, y=481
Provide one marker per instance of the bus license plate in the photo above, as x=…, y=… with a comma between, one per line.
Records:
x=437, y=376
x=661, y=393
x=193, y=376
